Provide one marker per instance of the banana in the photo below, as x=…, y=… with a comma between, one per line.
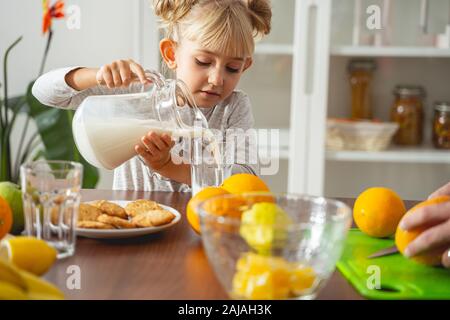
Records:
x=39, y=289
x=9, y=291
x=10, y=274
x=18, y=284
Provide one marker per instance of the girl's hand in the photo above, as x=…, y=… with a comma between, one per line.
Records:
x=120, y=73
x=155, y=149
x=436, y=236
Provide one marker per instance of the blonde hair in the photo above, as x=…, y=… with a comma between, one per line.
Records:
x=226, y=26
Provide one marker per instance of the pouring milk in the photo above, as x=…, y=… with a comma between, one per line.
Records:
x=106, y=128
x=110, y=143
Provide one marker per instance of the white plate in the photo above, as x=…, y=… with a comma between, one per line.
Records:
x=127, y=233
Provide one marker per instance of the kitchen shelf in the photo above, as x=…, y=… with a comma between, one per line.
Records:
x=283, y=154
x=406, y=52
x=283, y=144
x=274, y=49
x=425, y=154
x=422, y=154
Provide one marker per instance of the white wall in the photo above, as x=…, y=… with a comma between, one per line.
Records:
x=109, y=30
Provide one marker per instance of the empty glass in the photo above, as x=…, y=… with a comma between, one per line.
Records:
x=51, y=198
x=211, y=161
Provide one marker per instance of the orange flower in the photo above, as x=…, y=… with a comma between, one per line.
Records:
x=55, y=11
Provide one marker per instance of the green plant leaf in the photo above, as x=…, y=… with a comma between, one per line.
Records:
x=16, y=104
x=55, y=128
x=5, y=145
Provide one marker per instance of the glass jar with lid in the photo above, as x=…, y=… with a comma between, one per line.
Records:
x=441, y=125
x=361, y=72
x=407, y=111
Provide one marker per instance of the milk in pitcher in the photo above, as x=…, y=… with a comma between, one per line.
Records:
x=112, y=142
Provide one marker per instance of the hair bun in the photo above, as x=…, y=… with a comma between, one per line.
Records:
x=171, y=11
x=260, y=15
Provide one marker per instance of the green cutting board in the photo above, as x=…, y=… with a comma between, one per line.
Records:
x=400, y=278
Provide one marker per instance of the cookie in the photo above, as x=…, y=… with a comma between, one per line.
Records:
x=115, y=221
x=94, y=225
x=142, y=221
x=88, y=212
x=111, y=209
x=153, y=218
x=140, y=206
x=60, y=215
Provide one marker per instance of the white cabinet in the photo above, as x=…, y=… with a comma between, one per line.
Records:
x=268, y=83
x=320, y=89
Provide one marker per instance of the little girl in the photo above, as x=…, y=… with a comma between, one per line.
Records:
x=209, y=44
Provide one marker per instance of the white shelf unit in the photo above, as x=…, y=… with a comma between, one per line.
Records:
x=394, y=154
x=283, y=154
x=313, y=100
x=406, y=52
x=420, y=154
x=425, y=154
x=274, y=49
x=283, y=146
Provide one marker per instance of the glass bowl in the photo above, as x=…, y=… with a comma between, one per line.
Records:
x=266, y=246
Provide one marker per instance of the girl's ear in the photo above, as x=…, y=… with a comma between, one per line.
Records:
x=167, y=49
x=248, y=63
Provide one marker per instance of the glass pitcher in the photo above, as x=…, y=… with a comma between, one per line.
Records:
x=107, y=127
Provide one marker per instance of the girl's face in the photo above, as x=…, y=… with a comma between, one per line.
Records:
x=210, y=76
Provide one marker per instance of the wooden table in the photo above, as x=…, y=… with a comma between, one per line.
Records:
x=166, y=265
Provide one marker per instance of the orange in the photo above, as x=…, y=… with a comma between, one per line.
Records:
x=231, y=206
x=248, y=183
x=204, y=194
x=378, y=211
x=268, y=277
x=243, y=183
x=303, y=278
x=5, y=217
x=403, y=238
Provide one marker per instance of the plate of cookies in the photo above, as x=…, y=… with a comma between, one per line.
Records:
x=113, y=219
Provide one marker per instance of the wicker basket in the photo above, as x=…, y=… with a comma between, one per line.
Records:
x=359, y=135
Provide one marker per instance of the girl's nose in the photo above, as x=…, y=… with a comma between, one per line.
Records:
x=216, y=78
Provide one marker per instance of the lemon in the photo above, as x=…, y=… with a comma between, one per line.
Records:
x=260, y=226
x=28, y=253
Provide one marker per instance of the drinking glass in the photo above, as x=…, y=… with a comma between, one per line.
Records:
x=212, y=161
x=51, y=198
